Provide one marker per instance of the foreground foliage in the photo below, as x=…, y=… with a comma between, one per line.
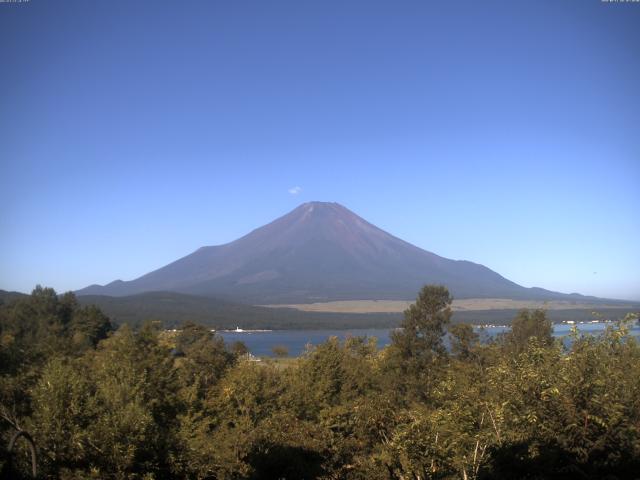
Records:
x=142, y=404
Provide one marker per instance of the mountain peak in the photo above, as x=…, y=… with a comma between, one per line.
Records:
x=317, y=252
x=319, y=204
x=331, y=207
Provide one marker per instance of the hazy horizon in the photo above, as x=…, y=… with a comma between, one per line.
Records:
x=134, y=133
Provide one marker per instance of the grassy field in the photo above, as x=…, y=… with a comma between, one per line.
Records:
x=463, y=305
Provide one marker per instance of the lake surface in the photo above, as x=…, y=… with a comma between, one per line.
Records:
x=260, y=343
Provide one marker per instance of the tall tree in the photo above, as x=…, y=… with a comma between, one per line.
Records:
x=418, y=347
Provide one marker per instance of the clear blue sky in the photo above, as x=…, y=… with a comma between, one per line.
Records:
x=502, y=132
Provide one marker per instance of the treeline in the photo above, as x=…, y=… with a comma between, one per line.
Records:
x=139, y=404
x=173, y=309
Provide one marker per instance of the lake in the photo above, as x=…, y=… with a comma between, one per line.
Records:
x=260, y=343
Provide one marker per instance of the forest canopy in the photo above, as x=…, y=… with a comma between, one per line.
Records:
x=101, y=402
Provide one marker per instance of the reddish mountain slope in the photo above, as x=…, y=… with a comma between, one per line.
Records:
x=319, y=251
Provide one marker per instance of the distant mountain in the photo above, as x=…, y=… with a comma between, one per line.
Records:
x=8, y=297
x=320, y=252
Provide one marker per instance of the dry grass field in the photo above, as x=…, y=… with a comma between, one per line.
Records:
x=469, y=304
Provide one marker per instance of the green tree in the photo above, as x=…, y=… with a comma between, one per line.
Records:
x=135, y=404
x=205, y=357
x=63, y=413
x=526, y=325
x=423, y=327
x=417, y=348
x=88, y=326
x=463, y=340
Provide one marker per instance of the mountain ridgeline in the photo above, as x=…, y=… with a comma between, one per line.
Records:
x=320, y=252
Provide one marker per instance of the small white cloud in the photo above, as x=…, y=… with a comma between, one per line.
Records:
x=295, y=190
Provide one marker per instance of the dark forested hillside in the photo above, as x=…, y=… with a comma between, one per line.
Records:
x=173, y=309
x=6, y=297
